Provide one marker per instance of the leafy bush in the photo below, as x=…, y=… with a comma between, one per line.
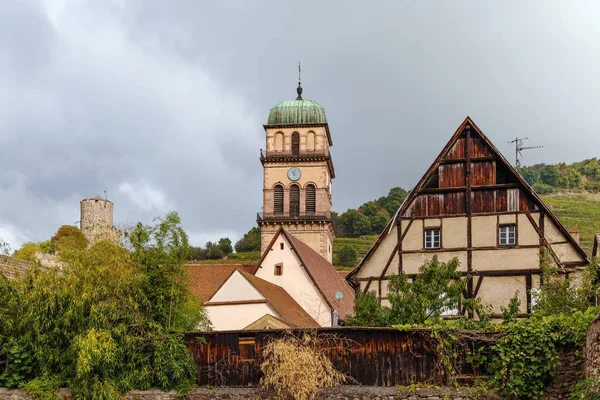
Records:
x=109, y=321
x=524, y=360
x=27, y=252
x=69, y=237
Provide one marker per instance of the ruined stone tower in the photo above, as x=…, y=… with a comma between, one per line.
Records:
x=96, y=220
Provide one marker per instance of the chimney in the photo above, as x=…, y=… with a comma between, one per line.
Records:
x=575, y=234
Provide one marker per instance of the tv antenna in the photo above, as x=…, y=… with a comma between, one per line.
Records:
x=519, y=148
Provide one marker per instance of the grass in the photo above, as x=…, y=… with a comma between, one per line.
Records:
x=577, y=210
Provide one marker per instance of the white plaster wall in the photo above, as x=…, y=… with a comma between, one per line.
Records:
x=454, y=232
x=412, y=262
x=508, y=218
x=505, y=259
x=236, y=288
x=375, y=264
x=484, y=231
x=566, y=251
x=527, y=233
x=373, y=287
x=295, y=280
x=552, y=233
x=413, y=239
x=497, y=291
x=236, y=316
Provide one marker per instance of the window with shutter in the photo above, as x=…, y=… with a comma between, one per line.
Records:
x=294, y=201
x=311, y=200
x=278, y=200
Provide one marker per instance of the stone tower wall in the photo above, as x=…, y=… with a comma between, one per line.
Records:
x=96, y=218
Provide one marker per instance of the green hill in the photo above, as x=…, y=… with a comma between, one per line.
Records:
x=579, y=210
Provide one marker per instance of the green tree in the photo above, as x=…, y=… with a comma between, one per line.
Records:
x=197, y=253
x=368, y=311
x=109, y=321
x=213, y=251
x=531, y=176
x=347, y=256
x=225, y=246
x=249, y=242
x=550, y=175
x=565, y=296
x=69, y=237
x=379, y=221
x=355, y=224
x=27, y=252
x=436, y=289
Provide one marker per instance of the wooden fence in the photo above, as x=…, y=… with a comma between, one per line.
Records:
x=374, y=356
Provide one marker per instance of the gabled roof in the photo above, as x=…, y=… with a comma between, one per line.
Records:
x=275, y=296
x=206, y=279
x=523, y=185
x=321, y=272
x=280, y=300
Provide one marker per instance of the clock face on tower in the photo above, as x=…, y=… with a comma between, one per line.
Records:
x=294, y=173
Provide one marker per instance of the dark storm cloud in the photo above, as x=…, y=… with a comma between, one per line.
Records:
x=163, y=102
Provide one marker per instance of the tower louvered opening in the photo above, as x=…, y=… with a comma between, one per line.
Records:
x=278, y=200
x=294, y=201
x=311, y=199
x=295, y=143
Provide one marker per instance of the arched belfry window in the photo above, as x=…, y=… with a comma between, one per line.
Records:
x=278, y=200
x=310, y=141
x=295, y=143
x=294, y=201
x=311, y=198
x=279, y=141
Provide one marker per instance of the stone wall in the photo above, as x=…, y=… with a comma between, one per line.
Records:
x=592, y=349
x=568, y=372
x=13, y=268
x=339, y=393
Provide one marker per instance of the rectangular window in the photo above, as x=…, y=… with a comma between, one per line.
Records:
x=247, y=348
x=278, y=269
x=507, y=235
x=432, y=238
x=280, y=246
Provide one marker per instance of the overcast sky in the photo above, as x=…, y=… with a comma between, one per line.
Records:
x=162, y=102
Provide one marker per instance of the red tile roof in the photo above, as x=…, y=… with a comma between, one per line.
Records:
x=280, y=300
x=206, y=279
x=323, y=275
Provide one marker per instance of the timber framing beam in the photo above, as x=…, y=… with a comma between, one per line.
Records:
x=500, y=273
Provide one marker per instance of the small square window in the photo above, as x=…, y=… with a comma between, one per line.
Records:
x=281, y=246
x=432, y=238
x=507, y=235
x=278, y=269
x=247, y=348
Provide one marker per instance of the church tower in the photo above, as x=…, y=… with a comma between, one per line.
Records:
x=297, y=174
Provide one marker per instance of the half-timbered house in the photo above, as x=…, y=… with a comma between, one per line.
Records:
x=473, y=205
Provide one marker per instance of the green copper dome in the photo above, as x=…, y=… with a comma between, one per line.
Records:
x=297, y=112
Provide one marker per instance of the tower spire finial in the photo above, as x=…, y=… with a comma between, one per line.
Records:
x=299, y=88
